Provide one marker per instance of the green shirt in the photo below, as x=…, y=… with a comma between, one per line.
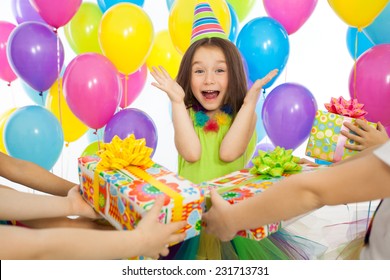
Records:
x=210, y=166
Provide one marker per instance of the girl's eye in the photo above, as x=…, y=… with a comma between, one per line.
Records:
x=199, y=71
x=220, y=70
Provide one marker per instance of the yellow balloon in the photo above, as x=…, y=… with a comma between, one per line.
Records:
x=126, y=36
x=181, y=18
x=81, y=31
x=358, y=13
x=72, y=127
x=165, y=54
x=3, y=120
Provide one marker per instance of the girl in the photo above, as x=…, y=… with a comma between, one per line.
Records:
x=364, y=177
x=214, y=121
x=213, y=115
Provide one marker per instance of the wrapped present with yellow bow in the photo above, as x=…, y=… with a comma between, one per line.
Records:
x=268, y=168
x=325, y=141
x=121, y=182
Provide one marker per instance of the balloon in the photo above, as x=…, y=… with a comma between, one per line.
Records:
x=263, y=147
x=357, y=13
x=23, y=11
x=181, y=18
x=104, y=5
x=72, y=127
x=234, y=24
x=95, y=135
x=260, y=131
x=92, y=89
x=288, y=115
x=126, y=36
x=378, y=30
x=132, y=121
x=3, y=120
x=132, y=85
x=6, y=72
x=38, y=98
x=169, y=4
x=56, y=13
x=242, y=7
x=292, y=14
x=165, y=54
x=372, y=83
x=91, y=149
x=265, y=46
x=82, y=30
x=32, y=52
x=363, y=43
x=34, y=134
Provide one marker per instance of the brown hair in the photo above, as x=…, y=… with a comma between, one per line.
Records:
x=237, y=85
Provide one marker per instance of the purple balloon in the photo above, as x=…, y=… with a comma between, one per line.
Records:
x=32, y=52
x=132, y=121
x=288, y=115
x=23, y=11
x=263, y=147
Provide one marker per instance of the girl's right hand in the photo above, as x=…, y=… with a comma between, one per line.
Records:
x=164, y=82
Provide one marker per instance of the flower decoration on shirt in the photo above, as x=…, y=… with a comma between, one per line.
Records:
x=213, y=124
x=348, y=108
x=275, y=163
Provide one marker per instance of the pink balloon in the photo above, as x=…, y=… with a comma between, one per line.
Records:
x=292, y=14
x=92, y=89
x=133, y=86
x=6, y=72
x=372, y=83
x=56, y=13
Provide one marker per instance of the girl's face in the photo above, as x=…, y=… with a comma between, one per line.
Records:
x=209, y=77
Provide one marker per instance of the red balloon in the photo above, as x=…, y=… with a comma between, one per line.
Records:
x=372, y=84
x=6, y=72
x=132, y=85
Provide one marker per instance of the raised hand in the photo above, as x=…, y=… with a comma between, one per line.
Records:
x=254, y=92
x=365, y=135
x=164, y=82
x=158, y=236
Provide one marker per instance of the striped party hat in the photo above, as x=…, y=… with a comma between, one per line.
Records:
x=205, y=24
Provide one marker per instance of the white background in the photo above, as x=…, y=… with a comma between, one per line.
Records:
x=318, y=60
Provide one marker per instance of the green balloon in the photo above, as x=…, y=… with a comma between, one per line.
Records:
x=91, y=149
x=242, y=7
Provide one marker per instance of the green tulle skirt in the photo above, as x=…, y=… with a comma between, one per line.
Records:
x=281, y=245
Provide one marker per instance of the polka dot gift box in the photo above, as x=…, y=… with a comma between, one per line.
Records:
x=325, y=141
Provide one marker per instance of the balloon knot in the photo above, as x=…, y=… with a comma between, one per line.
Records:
x=40, y=93
x=67, y=144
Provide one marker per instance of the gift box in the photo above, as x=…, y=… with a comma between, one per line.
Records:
x=325, y=141
x=243, y=184
x=123, y=194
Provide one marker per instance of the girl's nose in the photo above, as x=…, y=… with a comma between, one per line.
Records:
x=209, y=79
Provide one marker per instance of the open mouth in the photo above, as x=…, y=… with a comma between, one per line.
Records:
x=210, y=94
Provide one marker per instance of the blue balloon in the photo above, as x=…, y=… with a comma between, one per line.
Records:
x=170, y=4
x=322, y=162
x=265, y=46
x=363, y=42
x=104, y=5
x=92, y=136
x=378, y=30
x=34, y=134
x=233, y=25
x=260, y=130
x=37, y=97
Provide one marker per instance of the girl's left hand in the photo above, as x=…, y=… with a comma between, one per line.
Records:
x=254, y=92
x=79, y=206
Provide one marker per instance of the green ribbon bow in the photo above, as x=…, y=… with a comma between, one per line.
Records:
x=275, y=163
